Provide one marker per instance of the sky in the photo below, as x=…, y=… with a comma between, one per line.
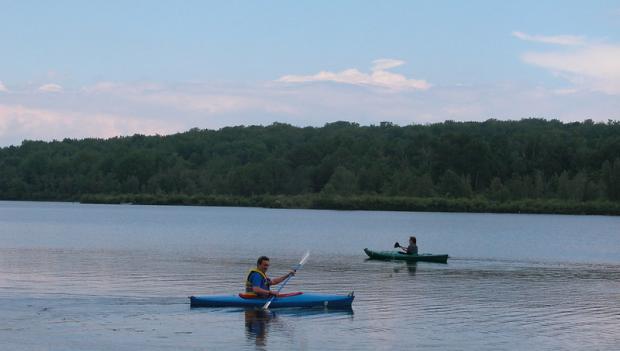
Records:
x=76, y=69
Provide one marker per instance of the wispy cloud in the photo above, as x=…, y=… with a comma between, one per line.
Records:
x=50, y=88
x=569, y=40
x=3, y=88
x=589, y=66
x=383, y=64
x=193, y=98
x=378, y=77
x=114, y=108
x=123, y=88
x=23, y=122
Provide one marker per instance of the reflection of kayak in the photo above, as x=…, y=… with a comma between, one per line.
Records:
x=395, y=255
x=290, y=300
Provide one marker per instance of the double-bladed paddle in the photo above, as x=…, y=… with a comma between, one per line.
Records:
x=297, y=267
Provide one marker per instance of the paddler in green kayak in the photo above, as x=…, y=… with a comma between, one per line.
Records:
x=258, y=283
x=412, y=249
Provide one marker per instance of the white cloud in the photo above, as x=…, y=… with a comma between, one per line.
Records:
x=3, y=88
x=589, y=66
x=51, y=88
x=570, y=40
x=378, y=77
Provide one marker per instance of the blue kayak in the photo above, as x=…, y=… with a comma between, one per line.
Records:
x=293, y=300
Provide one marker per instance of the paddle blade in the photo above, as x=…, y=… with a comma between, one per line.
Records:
x=305, y=258
x=396, y=245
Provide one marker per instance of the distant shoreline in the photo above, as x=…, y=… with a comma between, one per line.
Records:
x=527, y=166
x=367, y=202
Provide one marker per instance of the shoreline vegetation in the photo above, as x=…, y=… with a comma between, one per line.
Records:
x=367, y=203
x=526, y=166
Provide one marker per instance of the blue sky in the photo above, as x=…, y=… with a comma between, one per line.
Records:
x=97, y=69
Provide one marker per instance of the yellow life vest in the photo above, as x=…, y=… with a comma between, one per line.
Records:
x=248, y=284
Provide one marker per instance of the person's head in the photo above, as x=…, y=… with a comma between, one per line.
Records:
x=262, y=263
x=412, y=240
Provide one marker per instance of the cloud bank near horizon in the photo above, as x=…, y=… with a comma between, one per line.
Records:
x=49, y=124
x=114, y=109
x=53, y=110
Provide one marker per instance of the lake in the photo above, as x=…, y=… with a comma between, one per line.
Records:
x=103, y=277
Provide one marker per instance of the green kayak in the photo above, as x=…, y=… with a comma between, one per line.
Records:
x=395, y=255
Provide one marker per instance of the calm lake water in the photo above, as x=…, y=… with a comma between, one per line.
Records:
x=117, y=277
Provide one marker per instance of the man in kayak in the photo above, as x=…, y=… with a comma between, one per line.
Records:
x=257, y=281
x=412, y=249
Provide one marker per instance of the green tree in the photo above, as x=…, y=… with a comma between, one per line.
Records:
x=564, y=186
x=497, y=191
x=453, y=185
x=342, y=182
x=611, y=179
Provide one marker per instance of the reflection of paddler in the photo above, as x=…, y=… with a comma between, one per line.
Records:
x=256, y=324
x=411, y=267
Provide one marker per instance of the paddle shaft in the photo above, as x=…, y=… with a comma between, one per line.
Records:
x=301, y=263
x=286, y=280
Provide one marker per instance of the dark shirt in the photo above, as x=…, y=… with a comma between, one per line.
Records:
x=412, y=249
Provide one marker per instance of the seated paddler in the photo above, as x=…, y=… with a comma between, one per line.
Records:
x=259, y=283
x=412, y=249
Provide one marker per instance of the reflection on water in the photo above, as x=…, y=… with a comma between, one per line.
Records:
x=106, y=299
x=411, y=267
x=256, y=324
x=106, y=277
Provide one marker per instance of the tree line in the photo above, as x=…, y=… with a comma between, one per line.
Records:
x=494, y=161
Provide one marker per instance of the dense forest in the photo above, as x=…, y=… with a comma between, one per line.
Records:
x=532, y=165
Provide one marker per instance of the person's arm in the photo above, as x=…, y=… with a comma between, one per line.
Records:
x=279, y=280
x=256, y=281
x=265, y=292
x=407, y=250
